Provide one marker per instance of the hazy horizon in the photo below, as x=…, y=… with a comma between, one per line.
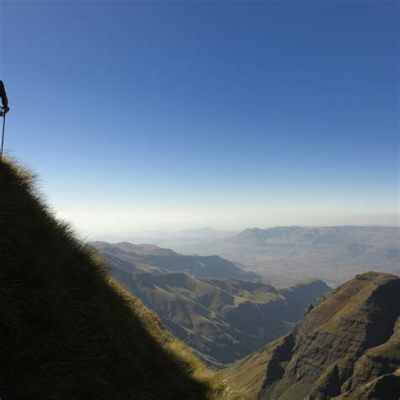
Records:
x=197, y=232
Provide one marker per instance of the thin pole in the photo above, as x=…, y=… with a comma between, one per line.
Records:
x=2, y=135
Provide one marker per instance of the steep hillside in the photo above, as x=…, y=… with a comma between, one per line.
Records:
x=223, y=320
x=347, y=347
x=131, y=257
x=67, y=331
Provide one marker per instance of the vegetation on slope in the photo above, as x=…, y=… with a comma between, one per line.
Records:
x=347, y=348
x=67, y=331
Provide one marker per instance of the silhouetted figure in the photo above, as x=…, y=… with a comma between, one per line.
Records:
x=4, y=98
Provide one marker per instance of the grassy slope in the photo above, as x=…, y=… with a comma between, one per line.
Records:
x=66, y=330
x=248, y=374
x=348, y=345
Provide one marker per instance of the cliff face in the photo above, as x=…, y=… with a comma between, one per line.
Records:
x=347, y=347
x=67, y=331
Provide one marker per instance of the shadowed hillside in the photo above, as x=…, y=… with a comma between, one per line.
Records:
x=67, y=331
x=346, y=348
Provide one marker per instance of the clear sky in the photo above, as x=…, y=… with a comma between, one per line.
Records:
x=178, y=114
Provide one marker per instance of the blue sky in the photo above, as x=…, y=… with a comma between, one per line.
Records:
x=169, y=115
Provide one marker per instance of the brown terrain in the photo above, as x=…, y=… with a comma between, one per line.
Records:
x=346, y=348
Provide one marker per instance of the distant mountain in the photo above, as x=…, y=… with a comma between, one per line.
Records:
x=285, y=255
x=346, y=348
x=201, y=233
x=223, y=320
x=134, y=258
x=332, y=235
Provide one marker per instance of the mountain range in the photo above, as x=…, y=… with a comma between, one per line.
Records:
x=221, y=319
x=147, y=257
x=285, y=255
x=69, y=330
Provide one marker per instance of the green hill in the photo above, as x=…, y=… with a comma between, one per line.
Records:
x=346, y=348
x=67, y=330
